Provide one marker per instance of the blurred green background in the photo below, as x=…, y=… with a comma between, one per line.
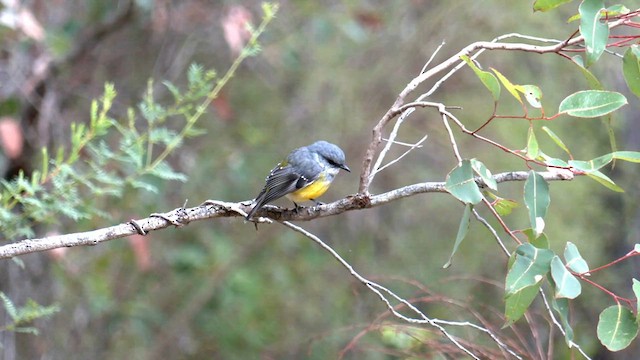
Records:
x=329, y=70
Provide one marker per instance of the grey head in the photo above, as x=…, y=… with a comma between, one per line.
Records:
x=331, y=153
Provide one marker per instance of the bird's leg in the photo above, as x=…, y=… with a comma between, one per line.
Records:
x=296, y=207
x=318, y=203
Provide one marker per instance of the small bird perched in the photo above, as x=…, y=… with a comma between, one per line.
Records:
x=305, y=175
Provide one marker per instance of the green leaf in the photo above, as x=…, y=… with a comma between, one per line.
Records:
x=573, y=18
x=164, y=171
x=532, y=93
x=536, y=197
x=567, y=286
x=631, y=69
x=460, y=183
x=604, y=181
x=610, y=131
x=508, y=85
x=487, y=78
x=592, y=103
x=555, y=162
x=463, y=228
x=175, y=91
x=556, y=139
x=529, y=268
x=636, y=292
x=595, y=32
x=546, y=5
x=195, y=74
x=615, y=10
x=139, y=184
x=574, y=260
x=533, y=150
x=561, y=306
x=517, y=304
x=484, y=173
x=503, y=206
x=541, y=241
x=592, y=165
x=593, y=81
x=632, y=156
x=617, y=327
x=9, y=307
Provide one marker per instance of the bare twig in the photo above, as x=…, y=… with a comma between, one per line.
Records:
x=493, y=231
x=380, y=290
x=411, y=148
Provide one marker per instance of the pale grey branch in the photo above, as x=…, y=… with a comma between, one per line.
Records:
x=216, y=209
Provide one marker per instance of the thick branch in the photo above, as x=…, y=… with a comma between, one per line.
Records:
x=182, y=216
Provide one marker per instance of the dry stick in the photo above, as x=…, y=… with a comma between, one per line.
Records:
x=493, y=231
x=411, y=148
x=557, y=323
x=379, y=289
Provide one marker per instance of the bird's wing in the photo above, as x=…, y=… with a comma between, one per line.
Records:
x=280, y=182
x=298, y=171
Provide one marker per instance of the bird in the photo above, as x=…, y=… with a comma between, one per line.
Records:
x=304, y=175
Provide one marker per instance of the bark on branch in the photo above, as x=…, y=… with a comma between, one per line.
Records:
x=218, y=209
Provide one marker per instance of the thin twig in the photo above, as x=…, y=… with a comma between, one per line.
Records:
x=493, y=231
x=452, y=139
x=379, y=289
x=435, y=52
x=413, y=147
x=557, y=323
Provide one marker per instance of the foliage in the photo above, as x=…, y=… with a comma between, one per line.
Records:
x=245, y=297
x=531, y=264
x=108, y=156
x=23, y=315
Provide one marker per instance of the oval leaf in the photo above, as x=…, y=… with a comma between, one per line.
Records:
x=556, y=139
x=605, y=181
x=591, y=165
x=631, y=69
x=536, y=197
x=529, y=268
x=503, y=206
x=595, y=32
x=567, y=286
x=592, y=103
x=546, y=5
x=593, y=81
x=487, y=78
x=533, y=150
x=574, y=260
x=617, y=327
x=508, y=85
x=461, y=184
x=532, y=93
x=517, y=304
x=561, y=306
x=484, y=173
x=632, y=156
x=462, y=232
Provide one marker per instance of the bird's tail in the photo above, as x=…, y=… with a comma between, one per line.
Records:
x=257, y=204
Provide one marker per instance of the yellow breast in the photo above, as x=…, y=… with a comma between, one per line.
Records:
x=313, y=191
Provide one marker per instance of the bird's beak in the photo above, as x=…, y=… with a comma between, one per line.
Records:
x=345, y=168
